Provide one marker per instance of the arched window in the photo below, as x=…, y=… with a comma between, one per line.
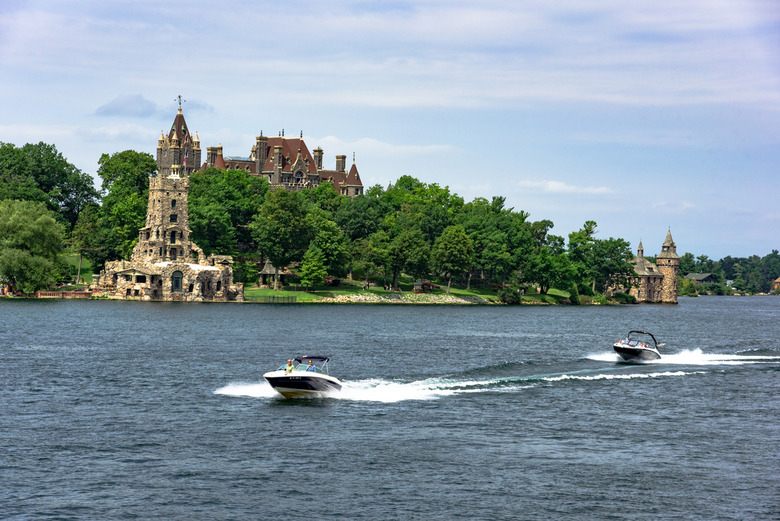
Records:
x=176, y=279
x=173, y=203
x=173, y=237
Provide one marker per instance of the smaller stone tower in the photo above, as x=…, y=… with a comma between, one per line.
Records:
x=668, y=263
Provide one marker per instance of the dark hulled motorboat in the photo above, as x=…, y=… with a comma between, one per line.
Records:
x=306, y=379
x=638, y=346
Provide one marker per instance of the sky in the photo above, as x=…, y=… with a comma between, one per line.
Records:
x=641, y=116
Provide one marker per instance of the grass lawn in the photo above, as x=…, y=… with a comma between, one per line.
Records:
x=86, y=267
x=355, y=287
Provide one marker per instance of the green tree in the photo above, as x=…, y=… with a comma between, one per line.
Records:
x=125, y=178
x=611, y=264
x=221, y=204
x=376, y=253
x=30, y=245
x=549, y=269
x=687, y=263
x=409, y=252
x=313, y=269
x=452, y=252
x=281, y=229
x=38, y=172
x=331, y=242
x=86, y=237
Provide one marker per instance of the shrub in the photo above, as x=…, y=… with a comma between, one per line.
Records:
x=574, y=295
x=509, y=296
x=624, y=298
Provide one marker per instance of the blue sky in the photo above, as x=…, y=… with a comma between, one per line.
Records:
x=641, y=116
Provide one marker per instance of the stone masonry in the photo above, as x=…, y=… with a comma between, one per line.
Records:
x=165, y=264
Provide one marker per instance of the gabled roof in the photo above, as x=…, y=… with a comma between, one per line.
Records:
x=291, y=147
x=698, y=276
x=644, y=267
x=353, y=177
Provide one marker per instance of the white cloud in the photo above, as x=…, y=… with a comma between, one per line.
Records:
x=559, y=187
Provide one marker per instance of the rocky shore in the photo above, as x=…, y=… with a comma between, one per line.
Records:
x=403, y=298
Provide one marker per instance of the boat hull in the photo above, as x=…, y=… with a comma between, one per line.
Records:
x=636, y=354
x=300, y=384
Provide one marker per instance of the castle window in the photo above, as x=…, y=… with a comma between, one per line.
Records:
x=219, y=285
x=158, y=236
x=173, y=203
x=176, y=279
x=140, y=279
x=174, y=218
x=173, y=237
x=128, y=278
x=192, y=286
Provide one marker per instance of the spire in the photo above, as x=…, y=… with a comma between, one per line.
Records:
x=669, y=248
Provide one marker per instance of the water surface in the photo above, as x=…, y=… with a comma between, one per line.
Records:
x=126, y=410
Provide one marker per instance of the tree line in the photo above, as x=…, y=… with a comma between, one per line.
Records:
x=752, y=274
x=414, y=228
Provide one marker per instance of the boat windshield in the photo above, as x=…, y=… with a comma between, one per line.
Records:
x=319, y=364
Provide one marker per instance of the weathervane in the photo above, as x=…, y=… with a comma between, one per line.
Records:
x=180, y=100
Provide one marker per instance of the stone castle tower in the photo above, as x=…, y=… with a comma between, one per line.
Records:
x=166, y=236
x=165, y=263
x=656, y=282
x=668, y=263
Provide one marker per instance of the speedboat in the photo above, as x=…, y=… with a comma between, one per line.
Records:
x=638, y=346
x=308, y=377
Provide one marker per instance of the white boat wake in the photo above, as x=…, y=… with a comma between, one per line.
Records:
x=384, y=391
x=693, y=357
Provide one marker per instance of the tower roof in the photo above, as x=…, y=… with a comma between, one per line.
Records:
x=179, y=130
x=669, y=248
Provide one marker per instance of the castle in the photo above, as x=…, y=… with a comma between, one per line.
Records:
x=656, y=282
x=287, y=163
x=165, y=264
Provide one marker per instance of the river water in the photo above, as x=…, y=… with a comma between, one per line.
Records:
x=128, y=410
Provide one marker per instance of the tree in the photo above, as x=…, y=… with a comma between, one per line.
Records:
x=452, y=252
x=313, y=270
x=30, y=244
x=38, y=172
x=85, y=238
x=549, y=269
x=408, y=251
x=221, y=204
x=332, y=243
x=376, y=254
x=281, y=229
x=610, y=264
x=126, y=180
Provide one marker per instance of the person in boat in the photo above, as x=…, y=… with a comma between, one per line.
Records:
x=311, y=366
x=289, y=367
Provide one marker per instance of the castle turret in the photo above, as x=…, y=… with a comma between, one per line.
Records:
x=668, y=263
x=261, y=152
x=277, y=177
x=318, y=159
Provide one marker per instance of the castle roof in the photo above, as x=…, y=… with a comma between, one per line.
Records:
x=669, y=248
x=291, y=147
x=179, y=130
x=353, y=177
